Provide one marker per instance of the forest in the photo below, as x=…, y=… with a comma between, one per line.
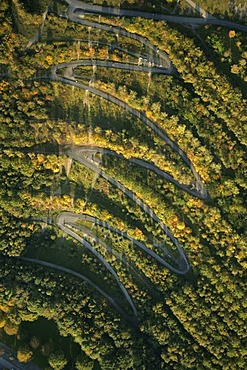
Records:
x=123, y=197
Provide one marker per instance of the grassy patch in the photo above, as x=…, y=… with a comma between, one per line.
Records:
x=217, y=7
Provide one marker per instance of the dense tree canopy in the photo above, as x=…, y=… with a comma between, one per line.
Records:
x=52, y=282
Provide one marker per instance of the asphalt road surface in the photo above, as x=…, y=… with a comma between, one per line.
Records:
x=78, y=8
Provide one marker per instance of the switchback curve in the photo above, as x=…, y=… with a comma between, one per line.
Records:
x=79, y=8
x=70, y=79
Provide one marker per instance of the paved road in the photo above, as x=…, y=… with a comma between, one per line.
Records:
x=91, y=151
x=78, y=154
x=153, y=50
x=70, y=79
x=84, y=278
x=119, y=256
x=69, y=217
x=153, y=59
x=184, y=265
x=65, y=226
x=7, y=363
x=110, y=64
x=67, y=221
x=79, y=8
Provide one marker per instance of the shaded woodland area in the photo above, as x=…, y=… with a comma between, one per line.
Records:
x=194, y=321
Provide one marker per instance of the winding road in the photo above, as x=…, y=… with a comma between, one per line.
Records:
x=74, y=154
x=120, y=256
x=62, y=220
x=70, y=219
x=154, y=58
x=65, y=73
x=110, y=64
x=69, y=78
x=153, y=50
x=79, y=9
x=90, y=152
x=84, y=278
x=66, y=227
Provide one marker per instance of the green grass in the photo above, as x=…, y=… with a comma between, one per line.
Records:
x=218, y=7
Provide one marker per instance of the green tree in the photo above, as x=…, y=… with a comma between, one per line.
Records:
x=24, y=353
x=57, y=360
x=83, y=362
